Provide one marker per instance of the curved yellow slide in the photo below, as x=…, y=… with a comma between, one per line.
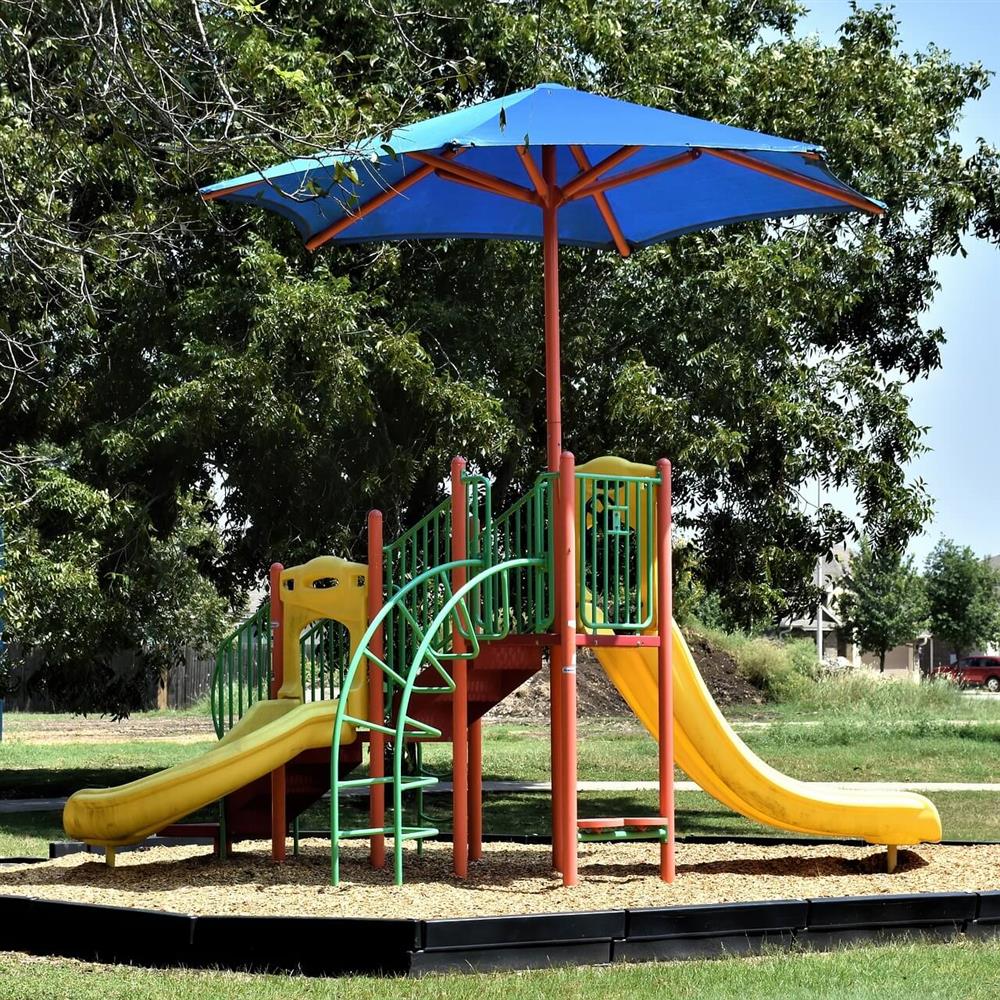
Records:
x=269, y=735
x=710, y=752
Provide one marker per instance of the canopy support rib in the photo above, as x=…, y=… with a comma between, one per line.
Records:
x=603, y=206
x=638, y=174
x=531, y=169
x=325, y=235
x=584, y=178
x=456, y=171
x=779, y=173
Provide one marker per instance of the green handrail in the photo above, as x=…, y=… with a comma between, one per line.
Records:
x=408, y=727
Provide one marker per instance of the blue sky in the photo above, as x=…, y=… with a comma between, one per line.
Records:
x=960, y=402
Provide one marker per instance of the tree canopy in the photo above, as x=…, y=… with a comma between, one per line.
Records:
x=964, y=597
x=172, y=365
x=883, y=601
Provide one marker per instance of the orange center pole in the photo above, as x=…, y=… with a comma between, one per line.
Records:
x=664, y=665
x=460, y=697
x=553, y=449
x=279, y=825
x=376, y=692
x=566, y=573
x=550, y=254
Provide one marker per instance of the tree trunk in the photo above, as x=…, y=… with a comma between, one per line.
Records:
x=881, y=661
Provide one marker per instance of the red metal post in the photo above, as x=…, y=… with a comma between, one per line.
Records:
x=376, y=691
x=476, y=790
x=566, y=576
x=279, y=824
x=460, y=698
x=550, y=253
x=664, y=664
x=555, y=690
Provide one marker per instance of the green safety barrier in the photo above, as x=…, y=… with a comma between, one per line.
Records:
x=243, y=672
x=616, y=551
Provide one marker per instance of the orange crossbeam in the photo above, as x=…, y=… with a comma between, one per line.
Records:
x=581, y=180
x=375, y=203
x=779, y=173
x=602, y=206
x=638, y=174
x=456, y=171
x=531, y=169
x=223, y=192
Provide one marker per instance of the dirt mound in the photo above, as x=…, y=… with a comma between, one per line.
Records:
x=597, y=697
x=722, y=674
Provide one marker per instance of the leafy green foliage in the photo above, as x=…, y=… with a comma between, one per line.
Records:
x=883, y=601
x=964, y=596
x=176, y=362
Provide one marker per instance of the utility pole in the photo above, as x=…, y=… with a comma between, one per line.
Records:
x=819, y=584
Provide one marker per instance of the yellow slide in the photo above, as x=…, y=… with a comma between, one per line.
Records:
x=710, y=752
x=269, y=735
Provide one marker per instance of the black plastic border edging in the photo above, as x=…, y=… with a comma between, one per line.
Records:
x=333, y=946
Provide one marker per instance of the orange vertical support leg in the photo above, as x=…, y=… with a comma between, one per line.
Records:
x=279, y=823
x=460, y=698
x=566, y=575
x=664, y=665
x=376, y=691
x=476, y=790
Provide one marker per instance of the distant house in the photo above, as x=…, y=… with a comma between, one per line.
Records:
x=902, y=661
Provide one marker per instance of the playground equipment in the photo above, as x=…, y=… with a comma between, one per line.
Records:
x=442, y=624
x=460, y=608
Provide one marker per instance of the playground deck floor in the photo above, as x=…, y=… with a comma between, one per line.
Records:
x=510, y=878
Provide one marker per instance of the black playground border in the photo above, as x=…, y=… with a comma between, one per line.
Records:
x=335, y=946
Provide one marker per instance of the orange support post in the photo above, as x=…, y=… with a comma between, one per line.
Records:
x=476, y=790
x=376, y=691
x=664, y=665
x=460, y=698
x=550, y=253
x=279, y=824
x=566, y=577
x=553, y=449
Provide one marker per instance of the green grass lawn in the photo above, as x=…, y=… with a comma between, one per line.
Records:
x=922, y=751
x=842, y=751
x=41, y=770
x=962, y=970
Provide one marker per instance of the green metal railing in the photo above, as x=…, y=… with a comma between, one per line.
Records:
x=452, y=618
x=523, y=531
x=243, y=666
x=324, y=651
x=242, y=670
x=615, y=546
x=424, y=546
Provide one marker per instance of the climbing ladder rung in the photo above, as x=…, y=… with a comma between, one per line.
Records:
x=407, y=832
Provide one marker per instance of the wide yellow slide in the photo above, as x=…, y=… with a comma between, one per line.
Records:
x=269, y=735
x=710, y=752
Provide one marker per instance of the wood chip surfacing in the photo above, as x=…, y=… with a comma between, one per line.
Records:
x=509, y=879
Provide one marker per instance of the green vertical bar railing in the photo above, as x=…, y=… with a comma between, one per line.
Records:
x=242, y=673
x=615, y=547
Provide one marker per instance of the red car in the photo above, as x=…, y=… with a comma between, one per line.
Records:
x=975, y=671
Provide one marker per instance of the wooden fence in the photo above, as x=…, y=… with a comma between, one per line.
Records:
x=187, y=682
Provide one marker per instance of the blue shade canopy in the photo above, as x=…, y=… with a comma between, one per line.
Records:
x=669, y=174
